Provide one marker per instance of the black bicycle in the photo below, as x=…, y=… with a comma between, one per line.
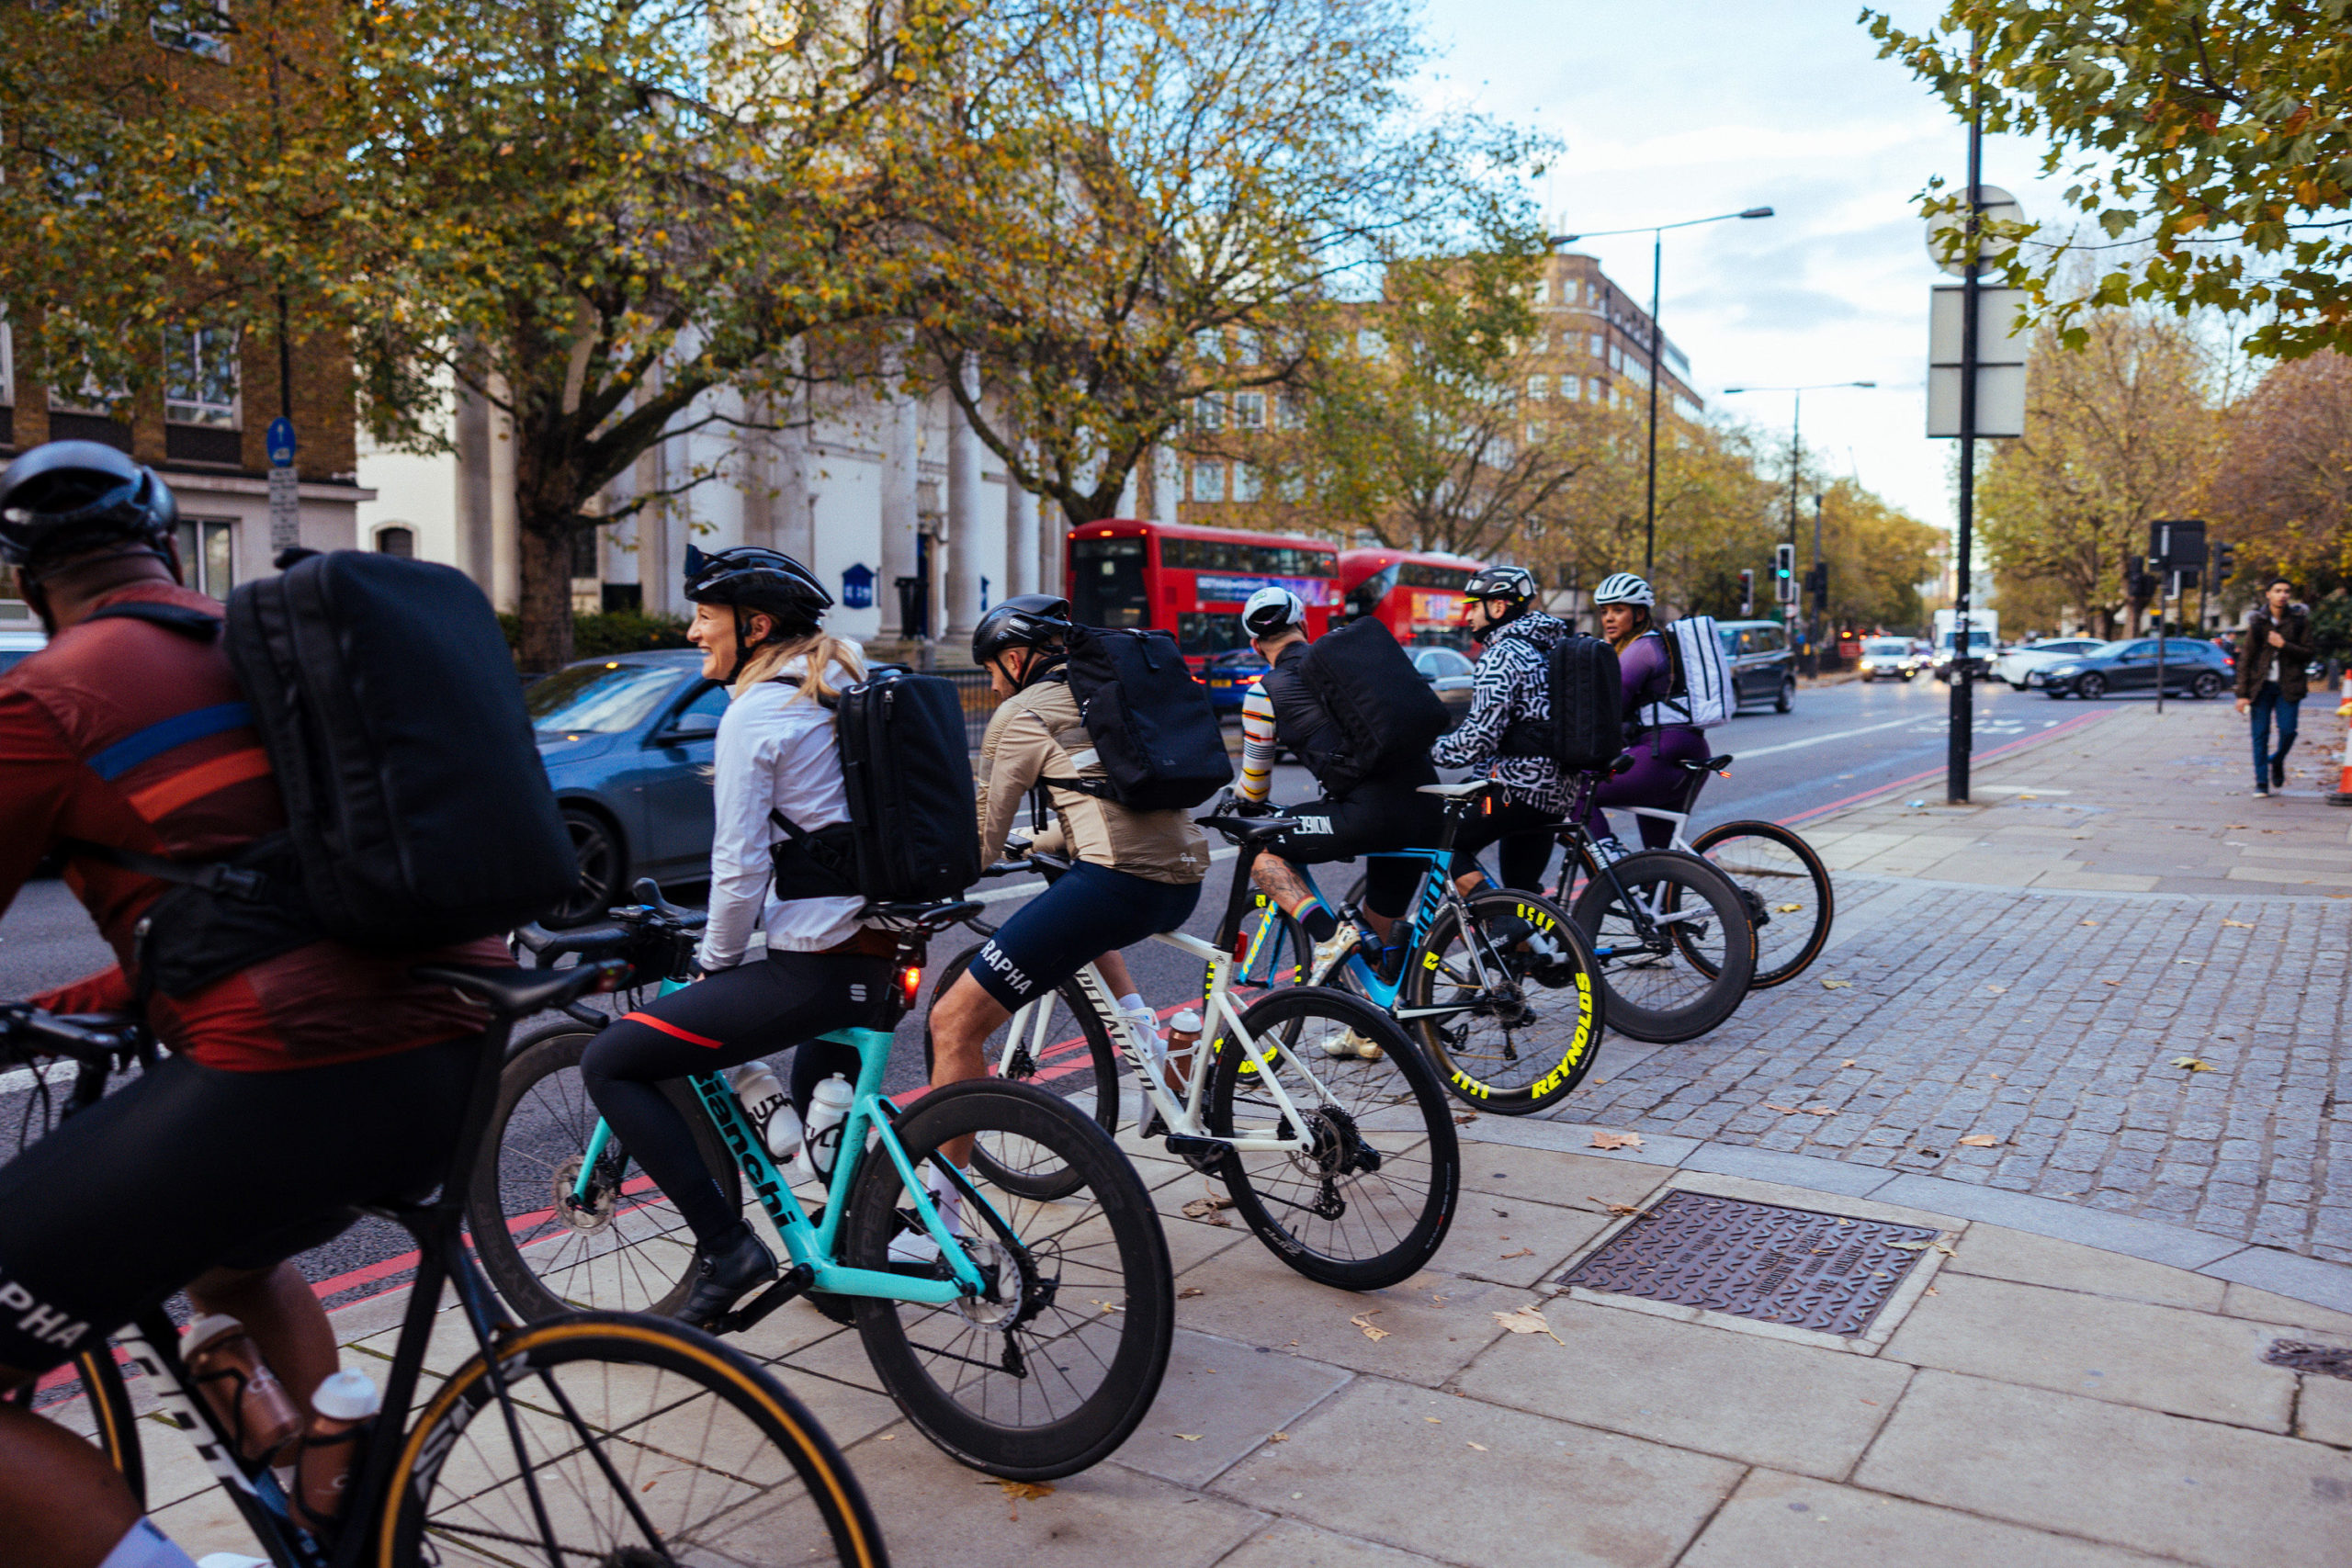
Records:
x=605, y=1439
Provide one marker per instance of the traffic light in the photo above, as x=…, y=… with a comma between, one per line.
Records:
x=2139, y=583
x=1784, y=574
x=1747, y=593
x=2225, y=561
x=1816, y=583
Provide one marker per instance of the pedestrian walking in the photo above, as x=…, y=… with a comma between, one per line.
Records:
x=2274, y=658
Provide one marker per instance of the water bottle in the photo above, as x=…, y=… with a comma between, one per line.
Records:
x=341, y=1413
x=254, y=1407
x=769, y=1109
x=828, y=1108
x=1183, y=1033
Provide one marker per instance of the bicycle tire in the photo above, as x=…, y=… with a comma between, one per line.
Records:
x=1659, y=877
x=629, y=1250
x=1093, y=1278
x=1791, y=937
x=746, y=1495
x=91, y=1401
x=1095, y=1091
x=1406, y=1198
x=1510, y=1054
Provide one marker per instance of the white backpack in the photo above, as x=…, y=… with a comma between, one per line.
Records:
x=1702, y=690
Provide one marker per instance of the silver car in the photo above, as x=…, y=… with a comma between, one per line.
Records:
x=1887, y=658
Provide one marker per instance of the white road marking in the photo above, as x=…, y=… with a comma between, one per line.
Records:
x=59, y=1071
x=1744, y=754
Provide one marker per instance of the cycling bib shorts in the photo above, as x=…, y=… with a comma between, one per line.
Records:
x=1088, y=910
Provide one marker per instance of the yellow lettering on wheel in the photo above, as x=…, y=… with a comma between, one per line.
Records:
x=1429, y=961
x=1470, y=1085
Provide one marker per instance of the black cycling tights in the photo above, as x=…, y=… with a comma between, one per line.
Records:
x=754, y=1010
x=188, y=1167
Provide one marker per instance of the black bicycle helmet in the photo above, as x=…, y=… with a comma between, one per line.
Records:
x=1025, y=620
x=752, y=577
x=68, y=498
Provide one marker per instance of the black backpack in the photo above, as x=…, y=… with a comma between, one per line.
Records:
x=418, y=813
x=1586, y=691
x=1386, y=713
x=1155, y=733
x=914, y=831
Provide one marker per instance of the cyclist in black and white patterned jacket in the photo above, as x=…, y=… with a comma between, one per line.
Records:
x=1511, y=686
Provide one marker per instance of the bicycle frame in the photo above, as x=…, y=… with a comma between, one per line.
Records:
x=812, y=1243
x=1222, y=1020
x=1434, y=896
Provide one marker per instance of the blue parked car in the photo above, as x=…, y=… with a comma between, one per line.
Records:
x=1230, y=675
x=628, y=743
x=2192, y=665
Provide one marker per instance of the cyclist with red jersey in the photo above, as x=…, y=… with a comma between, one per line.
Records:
x=310, y=1078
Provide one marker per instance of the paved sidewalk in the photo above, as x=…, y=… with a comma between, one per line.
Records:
x=2021, y=1401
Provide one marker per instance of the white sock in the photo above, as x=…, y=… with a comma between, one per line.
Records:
x=1133, y=1002
x=144, y=1546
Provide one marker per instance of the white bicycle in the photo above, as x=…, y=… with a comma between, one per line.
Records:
x=1344, y=1162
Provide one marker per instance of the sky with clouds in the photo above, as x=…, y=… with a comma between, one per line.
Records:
x=1683, y=108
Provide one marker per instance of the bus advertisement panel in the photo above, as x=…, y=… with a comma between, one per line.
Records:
x=1417, y=597
x=1193, y=580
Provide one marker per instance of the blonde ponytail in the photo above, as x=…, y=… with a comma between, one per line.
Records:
x=826, y=654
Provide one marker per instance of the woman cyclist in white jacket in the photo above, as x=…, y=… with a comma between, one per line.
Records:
x=759, y=622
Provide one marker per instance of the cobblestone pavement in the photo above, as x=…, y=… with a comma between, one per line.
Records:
x=1949, y=1008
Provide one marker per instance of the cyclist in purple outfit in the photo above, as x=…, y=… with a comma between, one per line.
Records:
x=1656, y=779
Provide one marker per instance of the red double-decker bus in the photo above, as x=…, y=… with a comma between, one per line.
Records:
x=1417, y=597
x=1193, y=580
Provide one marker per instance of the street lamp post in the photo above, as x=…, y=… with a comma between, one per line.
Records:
x=1796, y=461
x=1656, y=232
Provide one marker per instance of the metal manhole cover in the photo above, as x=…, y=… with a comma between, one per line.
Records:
x=1827, y=1272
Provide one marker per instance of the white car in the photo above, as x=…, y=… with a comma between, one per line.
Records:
x=2014, y=663
x=1888, y=658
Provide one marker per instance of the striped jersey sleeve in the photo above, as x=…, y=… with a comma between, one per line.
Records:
x=1256, y=743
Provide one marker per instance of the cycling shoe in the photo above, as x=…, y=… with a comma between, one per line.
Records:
x=723, y=1278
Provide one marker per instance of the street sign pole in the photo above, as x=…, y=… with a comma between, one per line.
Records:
x=1961, y=742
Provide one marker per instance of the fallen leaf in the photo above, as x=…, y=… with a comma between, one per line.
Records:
x=2193, y=1064
x=1019, y=1492
x=1522, y=1252
x=1616, y=1140
x=1465, y=1119
x=1189, y=1291
x=1279, y=1438
x=1933, y=1291
x=1192, y=1437
x=2090, y=922
x=1998, y=990
x=2110, y=982
x=1836, y=985
x=1847, y=1062
x=2241, y=925
x=1434, y=1420
x=889, y=1436
x=1206, y=1208
x=1980, y=1139
x=1106, y=1306
x=1787, y=909
x=1528, y=1319
x=1370, y=1331
x=1619, y=1209
x=1480, y=1446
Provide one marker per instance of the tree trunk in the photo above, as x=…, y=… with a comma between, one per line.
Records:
x=546, y=606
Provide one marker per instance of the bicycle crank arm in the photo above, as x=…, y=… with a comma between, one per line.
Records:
x=794, y=1282
x=1204, y=1154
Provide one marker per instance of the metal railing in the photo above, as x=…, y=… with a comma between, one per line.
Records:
x=980, y=700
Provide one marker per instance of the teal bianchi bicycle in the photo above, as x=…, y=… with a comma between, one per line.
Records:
x=1029, y=1349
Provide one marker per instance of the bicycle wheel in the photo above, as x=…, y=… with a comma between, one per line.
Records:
x=1789, y=893
x=1369, y=1203
x=644, y=1441
x=1075, y=1061
x=1629, y=913
x=626, y=1248
x=1531, y=995
x=87, y=1396
x=1053, y=1370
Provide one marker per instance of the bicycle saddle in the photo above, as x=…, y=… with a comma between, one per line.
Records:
x=1710, y=765
x=1250, y=830
x=1457, y=791
x=518, y=993
x=923, y=914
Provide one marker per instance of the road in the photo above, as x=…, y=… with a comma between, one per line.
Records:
x=1840, y=742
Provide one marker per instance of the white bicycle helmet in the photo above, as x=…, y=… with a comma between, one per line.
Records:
x=1269, y=610
x=1624, y=588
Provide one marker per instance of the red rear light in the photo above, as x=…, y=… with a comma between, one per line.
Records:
x=910, y=984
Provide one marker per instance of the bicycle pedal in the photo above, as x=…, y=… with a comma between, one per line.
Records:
x=793, y=1282
x=1204, y=1155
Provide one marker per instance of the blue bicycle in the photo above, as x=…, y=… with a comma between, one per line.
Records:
x=1498, y=986
x=1028, y=1342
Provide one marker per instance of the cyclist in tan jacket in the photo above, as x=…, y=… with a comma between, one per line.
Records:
x=1133, y=873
